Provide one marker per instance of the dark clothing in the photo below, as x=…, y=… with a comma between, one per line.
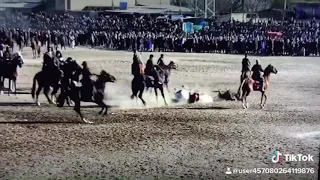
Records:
x=160, y=62
x=257, y=72
x=149, y=67
x=86, y=74
x=245, y=65
x=87, y=84
x=135, y=71
x=258, y=75
x=7, y=55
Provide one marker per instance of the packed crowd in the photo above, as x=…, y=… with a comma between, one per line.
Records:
x=150, y=33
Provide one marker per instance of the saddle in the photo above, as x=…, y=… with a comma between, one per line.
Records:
x=256, y=85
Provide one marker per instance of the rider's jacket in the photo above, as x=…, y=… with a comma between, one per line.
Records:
x=160, y=62
x=149, y=67
x=245, y=65
x=257, y=72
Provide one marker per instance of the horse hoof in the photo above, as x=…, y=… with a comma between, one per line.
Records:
x=38, y=103
x=86, y=121
x=1, y=92
x=244, y=107
x=262, y=106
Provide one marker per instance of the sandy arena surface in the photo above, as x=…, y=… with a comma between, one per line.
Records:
x=184, y=141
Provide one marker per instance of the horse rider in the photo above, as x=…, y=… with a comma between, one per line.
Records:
x=151, y=69
x=50, y=64
x=160, y=61
x=245, y=64
x=59, y=58
x=138, y=63
x=137, y=67
x=7, y=54
x=257, y=74
x=86, y=81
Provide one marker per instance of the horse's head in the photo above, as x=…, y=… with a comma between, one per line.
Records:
x=270, y=69
x=106, y=77
x=173, y=65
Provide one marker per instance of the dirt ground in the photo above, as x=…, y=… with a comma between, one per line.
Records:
x=179, y=141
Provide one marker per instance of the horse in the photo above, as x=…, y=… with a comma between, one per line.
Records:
x=77, y=91
x=53, y=81
x=167, y=72
x=245, y=74
x=8, y=69
x=249, y=85
x=151, y=83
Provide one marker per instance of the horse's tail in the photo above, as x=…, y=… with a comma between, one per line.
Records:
x=35, y=79
x=240, y=87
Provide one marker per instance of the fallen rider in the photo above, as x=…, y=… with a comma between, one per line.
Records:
x=186, y=95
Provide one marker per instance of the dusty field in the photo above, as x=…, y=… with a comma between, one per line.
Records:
x=198, y=141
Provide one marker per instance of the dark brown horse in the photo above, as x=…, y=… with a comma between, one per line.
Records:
x=8, y=70
x=249, y=85
x=97, y=95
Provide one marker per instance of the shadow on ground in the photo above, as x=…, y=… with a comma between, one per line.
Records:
x=17, y=104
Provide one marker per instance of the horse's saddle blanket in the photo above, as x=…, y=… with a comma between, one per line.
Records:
x=256, y=85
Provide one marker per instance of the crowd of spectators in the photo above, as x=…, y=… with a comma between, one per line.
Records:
x=151, y=33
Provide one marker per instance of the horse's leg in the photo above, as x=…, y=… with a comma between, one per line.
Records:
x=162, y=93
x=263, y=95
x=101, y=105
x=15, y=86
x=140, y=96
x=46, y=93
x=106, y=107
x=9, y=88
x=1, y=84
x=167, y=86
x=53, y=93
x=244, y=99
x=156, y=92
x=77, y=108
x=37, y=94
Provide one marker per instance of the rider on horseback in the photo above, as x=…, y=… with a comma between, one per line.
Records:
x=50, y=64
x=86, y=81
x=7, y=54
x=245, y=64
x=59, y=57
x=160, y=61
x=137, y=68
x=257, y=74
x=151, y=71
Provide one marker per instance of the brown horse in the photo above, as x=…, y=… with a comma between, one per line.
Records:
x=249, y=85
x=245, y=74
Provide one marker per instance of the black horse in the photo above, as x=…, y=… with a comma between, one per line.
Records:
x=142, y=82
x=8, y=70
x=77, y=93
x=151, y=83
x=53, y=79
